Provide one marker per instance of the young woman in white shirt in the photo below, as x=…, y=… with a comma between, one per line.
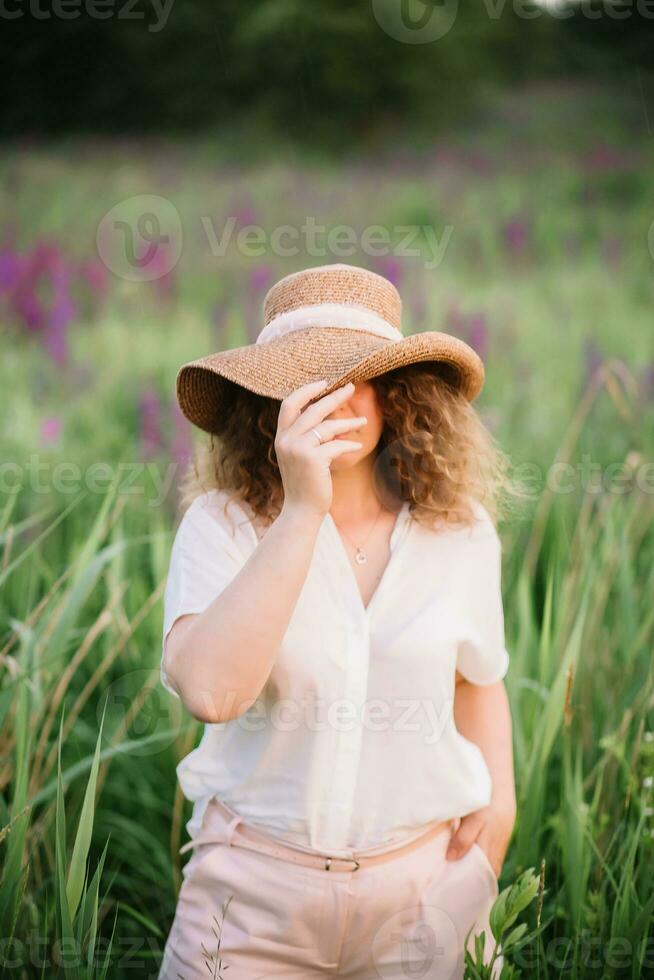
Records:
x=333, y=614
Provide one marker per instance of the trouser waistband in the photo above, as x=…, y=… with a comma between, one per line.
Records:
x=234, y=830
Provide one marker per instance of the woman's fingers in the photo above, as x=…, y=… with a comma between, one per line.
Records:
x=337, y=447
x=465, y=836
x=334, y=427
x=304, y=457
x=293, y=404
x=312, y=416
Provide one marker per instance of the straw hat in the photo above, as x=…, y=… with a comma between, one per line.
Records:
x=338, y=322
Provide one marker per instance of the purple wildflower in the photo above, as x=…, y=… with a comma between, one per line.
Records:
x=182, y=445
x=593, y=359
x=605, y=158
x=245, y=215
x=150, y=422
x=11, y=269
x=220, y=322
x=95, y=277
x=516, y=237
x=260, y=278
x=391, y=268
x=60, y=315
x=50, y=430
x=478, y=333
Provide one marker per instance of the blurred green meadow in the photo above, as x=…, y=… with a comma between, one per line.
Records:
x=546, y=269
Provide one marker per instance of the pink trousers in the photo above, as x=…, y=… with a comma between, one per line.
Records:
x=244, y=915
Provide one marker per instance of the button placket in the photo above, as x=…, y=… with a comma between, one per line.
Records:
x=342, y=787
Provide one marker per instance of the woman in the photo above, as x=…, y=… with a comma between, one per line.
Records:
x=333, y=614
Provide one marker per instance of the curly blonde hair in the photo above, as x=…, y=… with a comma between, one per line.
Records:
x=434, y=451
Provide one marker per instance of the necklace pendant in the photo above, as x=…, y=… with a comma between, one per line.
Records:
x=360, y=556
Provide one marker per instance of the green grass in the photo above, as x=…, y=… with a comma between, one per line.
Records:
x=90, y=817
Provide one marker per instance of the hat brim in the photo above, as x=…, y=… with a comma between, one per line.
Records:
x=275, y=369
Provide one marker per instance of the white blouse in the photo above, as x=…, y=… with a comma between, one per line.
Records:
x=352, y=740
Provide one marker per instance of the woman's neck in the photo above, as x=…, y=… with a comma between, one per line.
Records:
x=355, y=495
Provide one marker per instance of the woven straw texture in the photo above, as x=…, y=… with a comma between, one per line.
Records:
x=334, y=284
x=206, y=387
x=278, y=368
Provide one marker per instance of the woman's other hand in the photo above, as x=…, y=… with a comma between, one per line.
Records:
x=490, y=828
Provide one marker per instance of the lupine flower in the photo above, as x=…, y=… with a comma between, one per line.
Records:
x=455, y=322
x=50, y=430
x=150, y=422
x=606, y=158
x=593, y=359
x=446, y=157
x=245, y=215
x=477, y=333
x=219, y=318
x=43, y=264
x=25, y=302
x=164, y=281
x=516, y=237
x=390, y=267
x=60, y=315
x=95, y=277
x=11, y=269
x=479, y=163
x=260, y=278
x=182, y=444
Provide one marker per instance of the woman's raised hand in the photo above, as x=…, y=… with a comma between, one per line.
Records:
x=303, y=462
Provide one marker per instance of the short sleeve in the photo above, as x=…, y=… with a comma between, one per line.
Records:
x=482, y=655
x=204, y=560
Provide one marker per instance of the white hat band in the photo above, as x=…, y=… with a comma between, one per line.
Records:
x=329, y=315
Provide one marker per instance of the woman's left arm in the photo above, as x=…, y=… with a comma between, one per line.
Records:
x=482, y=715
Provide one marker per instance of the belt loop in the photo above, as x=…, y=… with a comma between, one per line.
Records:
x=231, y=828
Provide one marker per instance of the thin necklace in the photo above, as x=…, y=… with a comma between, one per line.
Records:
x=360, y=556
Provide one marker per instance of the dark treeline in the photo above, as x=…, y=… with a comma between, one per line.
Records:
x=331, y=70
